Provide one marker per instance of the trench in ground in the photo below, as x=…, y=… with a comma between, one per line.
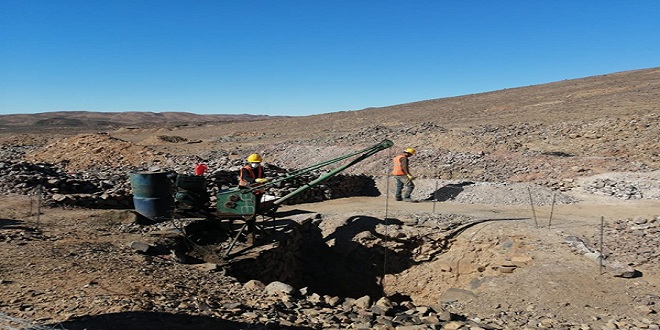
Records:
x=336, y=265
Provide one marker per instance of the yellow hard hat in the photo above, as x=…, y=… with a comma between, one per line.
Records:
x=254, y=158
x=410, y=151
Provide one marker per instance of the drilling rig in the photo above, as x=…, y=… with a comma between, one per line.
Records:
x=237, y=203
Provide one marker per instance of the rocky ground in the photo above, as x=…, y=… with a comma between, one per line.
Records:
x=539, y=209
x=85, y=268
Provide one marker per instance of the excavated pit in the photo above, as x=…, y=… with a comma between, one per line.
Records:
x=362, y=256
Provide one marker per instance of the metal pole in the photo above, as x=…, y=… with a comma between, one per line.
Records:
x=387, y=201
x=387, y=196
x=39, y=207
x=371, y=151
x=552, y=208
x=532, y=204
x=435, y=195
x=600, y=258
x=231, y=246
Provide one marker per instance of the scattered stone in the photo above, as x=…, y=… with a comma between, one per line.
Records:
x=254, y=285
x=279, y=287
x=140, y=246
x=507, y=269
x=207, y=267
x=363, y=302
x=618, y=269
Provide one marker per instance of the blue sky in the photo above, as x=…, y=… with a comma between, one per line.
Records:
x=281, y=57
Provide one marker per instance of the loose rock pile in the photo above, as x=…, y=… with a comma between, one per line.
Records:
x=634, y=242
x=106, y=189
x=79, y=171
x=625, y=185
x=488, y=193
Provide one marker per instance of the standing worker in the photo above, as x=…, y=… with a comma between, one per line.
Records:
x=251, y=175
x=404, y=180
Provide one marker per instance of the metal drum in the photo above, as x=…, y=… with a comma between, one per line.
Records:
x=195, y=183
x=191, y=192
x=152, y=195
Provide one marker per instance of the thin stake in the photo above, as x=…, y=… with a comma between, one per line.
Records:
x=387, y=195
x=531, y=202
x=600, y=258
x=552, y=208
x=435, y=195
x=39, y=207
x=387, y=199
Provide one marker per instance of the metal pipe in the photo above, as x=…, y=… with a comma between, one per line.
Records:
x=369, y=152
x=380, y=146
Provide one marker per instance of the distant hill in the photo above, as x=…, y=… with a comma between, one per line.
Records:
x=95, y=120
x=623, y=93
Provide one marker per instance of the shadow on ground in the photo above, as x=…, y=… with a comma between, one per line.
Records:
x=157, y=321
x=448, y=192
x=14, y=224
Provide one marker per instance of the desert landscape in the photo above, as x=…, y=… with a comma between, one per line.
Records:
x=537, y=208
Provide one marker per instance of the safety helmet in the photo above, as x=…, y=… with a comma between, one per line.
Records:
x=254, y=158
x=410, y=151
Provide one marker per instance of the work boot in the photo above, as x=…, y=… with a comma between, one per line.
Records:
x=398, y=199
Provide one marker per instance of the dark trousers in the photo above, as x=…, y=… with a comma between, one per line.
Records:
x=404, y=187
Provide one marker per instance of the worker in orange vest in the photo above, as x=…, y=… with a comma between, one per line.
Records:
x=252, y=175
x=404, y=180
x=252, y=172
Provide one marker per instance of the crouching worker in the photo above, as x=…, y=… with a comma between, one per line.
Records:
x=252, y=175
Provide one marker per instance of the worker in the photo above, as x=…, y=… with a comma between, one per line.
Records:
x=404, y=179
x=252, y=175
x=252, y=172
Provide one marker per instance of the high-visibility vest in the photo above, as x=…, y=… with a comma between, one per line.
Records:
x=398, y=166
x=250, y=171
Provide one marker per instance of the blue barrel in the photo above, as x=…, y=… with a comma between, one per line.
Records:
x=152, y=195
x=155, y=209
x=151, y=184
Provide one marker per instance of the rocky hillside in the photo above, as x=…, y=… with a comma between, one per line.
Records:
x=550, y=134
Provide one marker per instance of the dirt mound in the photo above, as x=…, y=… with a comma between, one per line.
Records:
x=89, y=151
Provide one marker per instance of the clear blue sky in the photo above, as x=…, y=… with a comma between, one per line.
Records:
x=282, y=57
